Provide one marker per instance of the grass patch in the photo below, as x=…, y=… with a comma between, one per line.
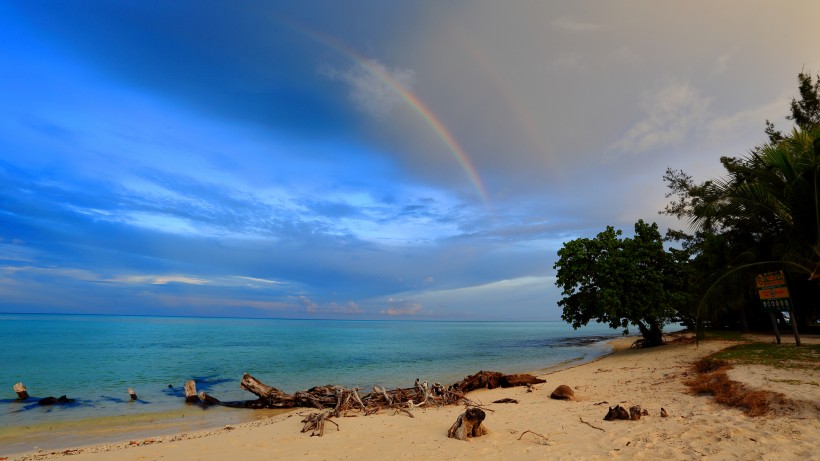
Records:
x=785, y=356
x=795, y=382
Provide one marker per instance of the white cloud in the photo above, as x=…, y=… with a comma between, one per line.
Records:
x=157, y=279
x=373, y=86
x=671, y=112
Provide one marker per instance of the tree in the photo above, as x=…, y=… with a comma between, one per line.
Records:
x=765, y=210
x=805, y=112
x=620, y=281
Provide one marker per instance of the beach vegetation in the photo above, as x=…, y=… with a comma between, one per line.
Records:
x=762, y=215
x=806, y=357
x=735, y=394
x=709, y=364
x=711, y=377
x=621, y=281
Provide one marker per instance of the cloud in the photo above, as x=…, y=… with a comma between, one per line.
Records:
x=256, y=282
x=370, y=85
x=670, y=113
x=348, y=308
x=307, y=304
x=400, y=307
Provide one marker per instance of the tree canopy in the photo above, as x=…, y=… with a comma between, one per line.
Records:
x=762, y=214
x=620, y=281
x=765, y=209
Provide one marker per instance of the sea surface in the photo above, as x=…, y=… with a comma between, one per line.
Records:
x=94, y=359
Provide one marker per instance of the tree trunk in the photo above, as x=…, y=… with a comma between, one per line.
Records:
x=652, y=333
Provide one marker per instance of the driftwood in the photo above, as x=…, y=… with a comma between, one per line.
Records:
x=492, y=379
x=190, y=391
x=315, y=422
x=54, y=400
x=618, y=412
x=339, y=399
x=468, y=424
x=20, y=389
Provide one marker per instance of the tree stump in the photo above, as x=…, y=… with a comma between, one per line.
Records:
x=468, y=424
x=190, y=391
x=20, y=389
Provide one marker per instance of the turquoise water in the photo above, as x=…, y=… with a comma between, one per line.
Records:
x=95, y=359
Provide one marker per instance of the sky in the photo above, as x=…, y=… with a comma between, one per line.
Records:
x=419, y=160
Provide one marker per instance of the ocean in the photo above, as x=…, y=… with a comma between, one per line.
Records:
x=94, y=359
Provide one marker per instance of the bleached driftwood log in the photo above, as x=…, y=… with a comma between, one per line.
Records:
x=341, y=399
x=190, y=391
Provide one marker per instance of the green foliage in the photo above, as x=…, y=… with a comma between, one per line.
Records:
x=620, y=281
x=762, y=214
x=805, y=111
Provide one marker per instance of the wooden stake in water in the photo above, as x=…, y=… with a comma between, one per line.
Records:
x=190, y=392
x=20, y=389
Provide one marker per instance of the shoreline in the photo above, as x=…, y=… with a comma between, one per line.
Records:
x=194, y=421
x=49, y=435
x=652, y=378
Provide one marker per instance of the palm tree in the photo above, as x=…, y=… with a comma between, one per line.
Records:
x=773, y=196
x=769, y=204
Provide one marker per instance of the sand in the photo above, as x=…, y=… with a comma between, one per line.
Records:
x=696, y=427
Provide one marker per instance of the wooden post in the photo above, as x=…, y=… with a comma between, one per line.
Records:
x=774, y=324
x=20, y=389
x=794, y=324
x=132, y=393
x=190, y=392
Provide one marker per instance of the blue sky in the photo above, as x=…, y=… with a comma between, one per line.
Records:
x=359, y=159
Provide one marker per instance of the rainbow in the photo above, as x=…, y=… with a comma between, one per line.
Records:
x=413, y=101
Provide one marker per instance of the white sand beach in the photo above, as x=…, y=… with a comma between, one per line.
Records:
x=696, y=426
